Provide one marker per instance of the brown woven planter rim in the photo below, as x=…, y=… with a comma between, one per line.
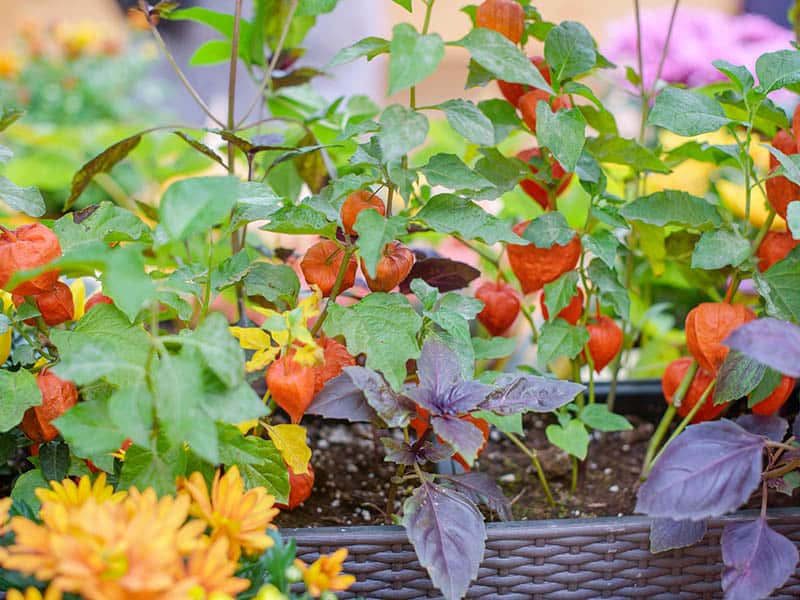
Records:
x=571, y=559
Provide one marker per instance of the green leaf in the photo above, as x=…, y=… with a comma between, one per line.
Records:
x=765, y=387
x=778, y=69
x=369, y=47
x=26, y=200
x=549, y=229
x=503, y=171
x=783, y=281
x=495, y=347
x=571, y=438
x=737, y=74
x=563, y=132
x=612, y=292
x=503, y=116
x=448, y=170
x=600, y=120
x=559, y=293
x=790, y=163
x=506, y=423
x=402, y=130
x=404, y=3
x=264, y=466
x=201, y=147
x=312, y=8
x=559, y=338
x=469, y=121
x=502, y=58
x=88, y=429
x=300, y=219
x=25, y=487
x=621, y=151
x=603, y=244
x=221, y=351
x=125, y=281
x=9, y=114
x=570, y=51
x=793, y=218
x=104, y=222
x=413, y=57
x=720, y=248
x=19, y=392
x=143, y=468
x=447, y=213
x=597, y=416
x=374, y=232
x=673, y=207
x=103, y=345
x=277, y=284
x=256, y=201
x=102, y=163
x=131, y=411
x=738, y=376
x=211, y=53
x=192, y=206
x=382, y=326
x=687, y=113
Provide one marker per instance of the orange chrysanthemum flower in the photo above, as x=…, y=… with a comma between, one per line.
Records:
x=71, y=494
x=230, y=512
x=210, y=574
x=5, y=506
x=324, y=574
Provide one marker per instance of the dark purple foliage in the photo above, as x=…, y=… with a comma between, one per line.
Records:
x=709, y=470
x=796, y=427
x=462, y=435
x=480, y=487
x=522, y=393
x=341, y=399
x=448, y=535
x=772, y=342
x=418, y=453
x=394, y=408
x=757, y=560
x=771, y=427
x=444, y=274
x=666, y=534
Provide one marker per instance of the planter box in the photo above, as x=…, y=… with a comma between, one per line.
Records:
x=559, y=559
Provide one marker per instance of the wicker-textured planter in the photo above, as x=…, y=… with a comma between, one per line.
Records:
x=563, y=559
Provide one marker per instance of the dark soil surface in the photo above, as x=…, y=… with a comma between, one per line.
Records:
x=352, y=479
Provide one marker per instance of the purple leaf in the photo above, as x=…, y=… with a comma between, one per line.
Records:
x=481, y=487
x=771, y=427
x=438, y=368
x=772, y=342
x=408, y=454
x=444, y=274
x=666, y=534
x=341, y=399
x=523, y=393
x=757, y=560
x=448, y=535
x=395, y=409
x=709, y=470
x=463, y=436
x=796, y=427
x=738, y=376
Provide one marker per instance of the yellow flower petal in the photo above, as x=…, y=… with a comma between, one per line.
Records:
x=251, y=338
x=733, y=197
x=262, y=359
x=78, y=298
x=309, y=355
x=290, y=440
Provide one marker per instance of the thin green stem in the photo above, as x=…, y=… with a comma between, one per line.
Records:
x=337, y=285
x=428, y=10
x=528, y=314
x=573, y=486
x=267, y=81
x=532, y=455
x=237, y=21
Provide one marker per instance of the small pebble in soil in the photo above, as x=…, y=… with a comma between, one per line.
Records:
x=351, y=468
x=366, y=515
x=607, y=471
x=614, y=489
x=335, y=504
x=323, y=444
x=592, y=466
x=507, y=478
x=319, y=509
x=495, y=436
x=538, y=423
x=626, y=447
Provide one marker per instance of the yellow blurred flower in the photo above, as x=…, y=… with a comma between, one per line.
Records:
x=10, y=64
x=324, y=574
x=51, y=593
x=230, y=512
x=77, y=39
x=5, y=507
x=210, y=574
x=270, y=592
x=733, y=198
x=5, y=346
x=71, y=494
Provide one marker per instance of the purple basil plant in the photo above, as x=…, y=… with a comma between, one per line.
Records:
x=441, y=516
x=698, y=35
x=713, y=468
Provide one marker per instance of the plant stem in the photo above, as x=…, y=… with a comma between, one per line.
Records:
x=272, y=63
x=686, y=420
x=666, y=420
x=573, y=486
x=163, y=47
x=427, y=22
x=782, y=470
x=392, y=493
x=665, y=50
x=531, y=453
x=237, y=21
x=526, y=312
x=348, y=252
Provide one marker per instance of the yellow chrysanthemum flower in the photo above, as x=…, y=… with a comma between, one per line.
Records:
x=210, y=574
x=5, y=506
x=270, y=592
x=230, y=512
x=324, y=574
x=51, y=593
x=71, y=494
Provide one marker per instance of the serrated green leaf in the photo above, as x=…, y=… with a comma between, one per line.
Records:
x=603, y=244
x=612, y=292
x=447, y=170
x=469, y=121
x=778, y=69
x=559, y=338
x=783, y=287
x=495, y=347
x=503, y=116
x=25, y=487
x=673, y=207
x=19, y=392
x=301, y=219
x=143, y=468
x=192, y=206
x=736, y=73
x=26, y=200
x=622, y=151
x=720, y=248
x=382, y=326
x=563, y=132
x=413, y=57
x=374, y=232
x=447, y=213
x=687, y=113
x=104, y=222
x=559, y=293
x=259, y=461
x=369, y=47
x=570, y=50
x=277, y=284
x=402, y=130
x=549, y=229
x=89, y=430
